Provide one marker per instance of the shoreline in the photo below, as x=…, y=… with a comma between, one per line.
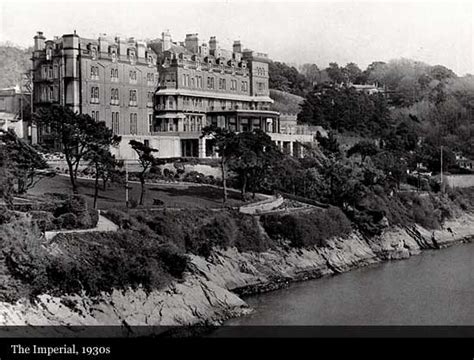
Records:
x=211, y=290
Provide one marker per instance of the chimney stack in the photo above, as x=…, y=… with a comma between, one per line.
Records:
x=39, y=41
x=166, y=40
x=237, y=47
x=213, y=43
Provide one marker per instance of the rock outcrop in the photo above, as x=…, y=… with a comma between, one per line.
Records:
x=209, y=292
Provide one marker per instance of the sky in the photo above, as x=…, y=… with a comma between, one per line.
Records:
x=295, y=32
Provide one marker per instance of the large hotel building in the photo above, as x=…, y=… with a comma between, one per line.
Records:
x=159, y=92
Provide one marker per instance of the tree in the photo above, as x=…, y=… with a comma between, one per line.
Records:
x=75, y=134
x=287, y=78
x=103, y=163
x=255, y=154
x=146, y=160
x=312, y=73
x=25, y=163
x=345, y=109
x=226, y=144
x=335, y=73
x=352, y=73
x=6, y=178
x=364, y=149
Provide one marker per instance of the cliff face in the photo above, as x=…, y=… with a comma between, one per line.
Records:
x=207, y=295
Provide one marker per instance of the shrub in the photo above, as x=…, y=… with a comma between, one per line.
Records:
x=6, y=215
x=43, y=219
x=308, y=229
x=24, y=257
x=174, y=260
x=107, y=261
x=66, y=221
x=94, y=217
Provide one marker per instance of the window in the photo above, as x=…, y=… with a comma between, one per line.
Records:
x=114, y=97
x=199, y=123
x=133, y=76
x=49, y=53
x=232, y=124
x=50, y=72
x=94, y=73
x=133, y=124
x=55, y=72
x=150, y=60
x=244, y=124
x=115, y=123
x=150, y=123
x=256, y=124
x=131, y=56
x=233, y=84
x=222, y=84
x=261, y=86
x=94, y=95
x=150, y=78
x=199, y=82
x=210, y=82
x=114, y=75
x=133, y=98
x=51, y=93
x=245, y=86
x=150, y=99
x=146, y=142
x=170, y=102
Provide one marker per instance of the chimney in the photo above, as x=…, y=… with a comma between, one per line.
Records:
x=213, y=43
x=191, y=43
x=122, y=46
x=39, y=41
x=166, y=38
x=237, y=47
x=141, y=49
x=103, y=43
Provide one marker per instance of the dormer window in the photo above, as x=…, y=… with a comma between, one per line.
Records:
x=150, y=60
x=94, y=53
x=131, y=55
x=113, y=54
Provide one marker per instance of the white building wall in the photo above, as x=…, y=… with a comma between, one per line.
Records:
x=167, y=146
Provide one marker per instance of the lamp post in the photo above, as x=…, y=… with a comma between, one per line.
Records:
x=441, y=172
x=126, y=184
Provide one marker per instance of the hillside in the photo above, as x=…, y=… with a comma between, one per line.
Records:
x=14, y=61
x=285, y=102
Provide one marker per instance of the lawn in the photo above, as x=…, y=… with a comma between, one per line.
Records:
x=173, y=195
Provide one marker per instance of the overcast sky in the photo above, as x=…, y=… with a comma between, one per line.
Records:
x=436, y=32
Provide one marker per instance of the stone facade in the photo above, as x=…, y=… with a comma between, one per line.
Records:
x=161, y=93
x=202, y=84
x=111, y=79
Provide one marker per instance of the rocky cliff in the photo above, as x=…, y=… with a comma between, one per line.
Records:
x=210, y=290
